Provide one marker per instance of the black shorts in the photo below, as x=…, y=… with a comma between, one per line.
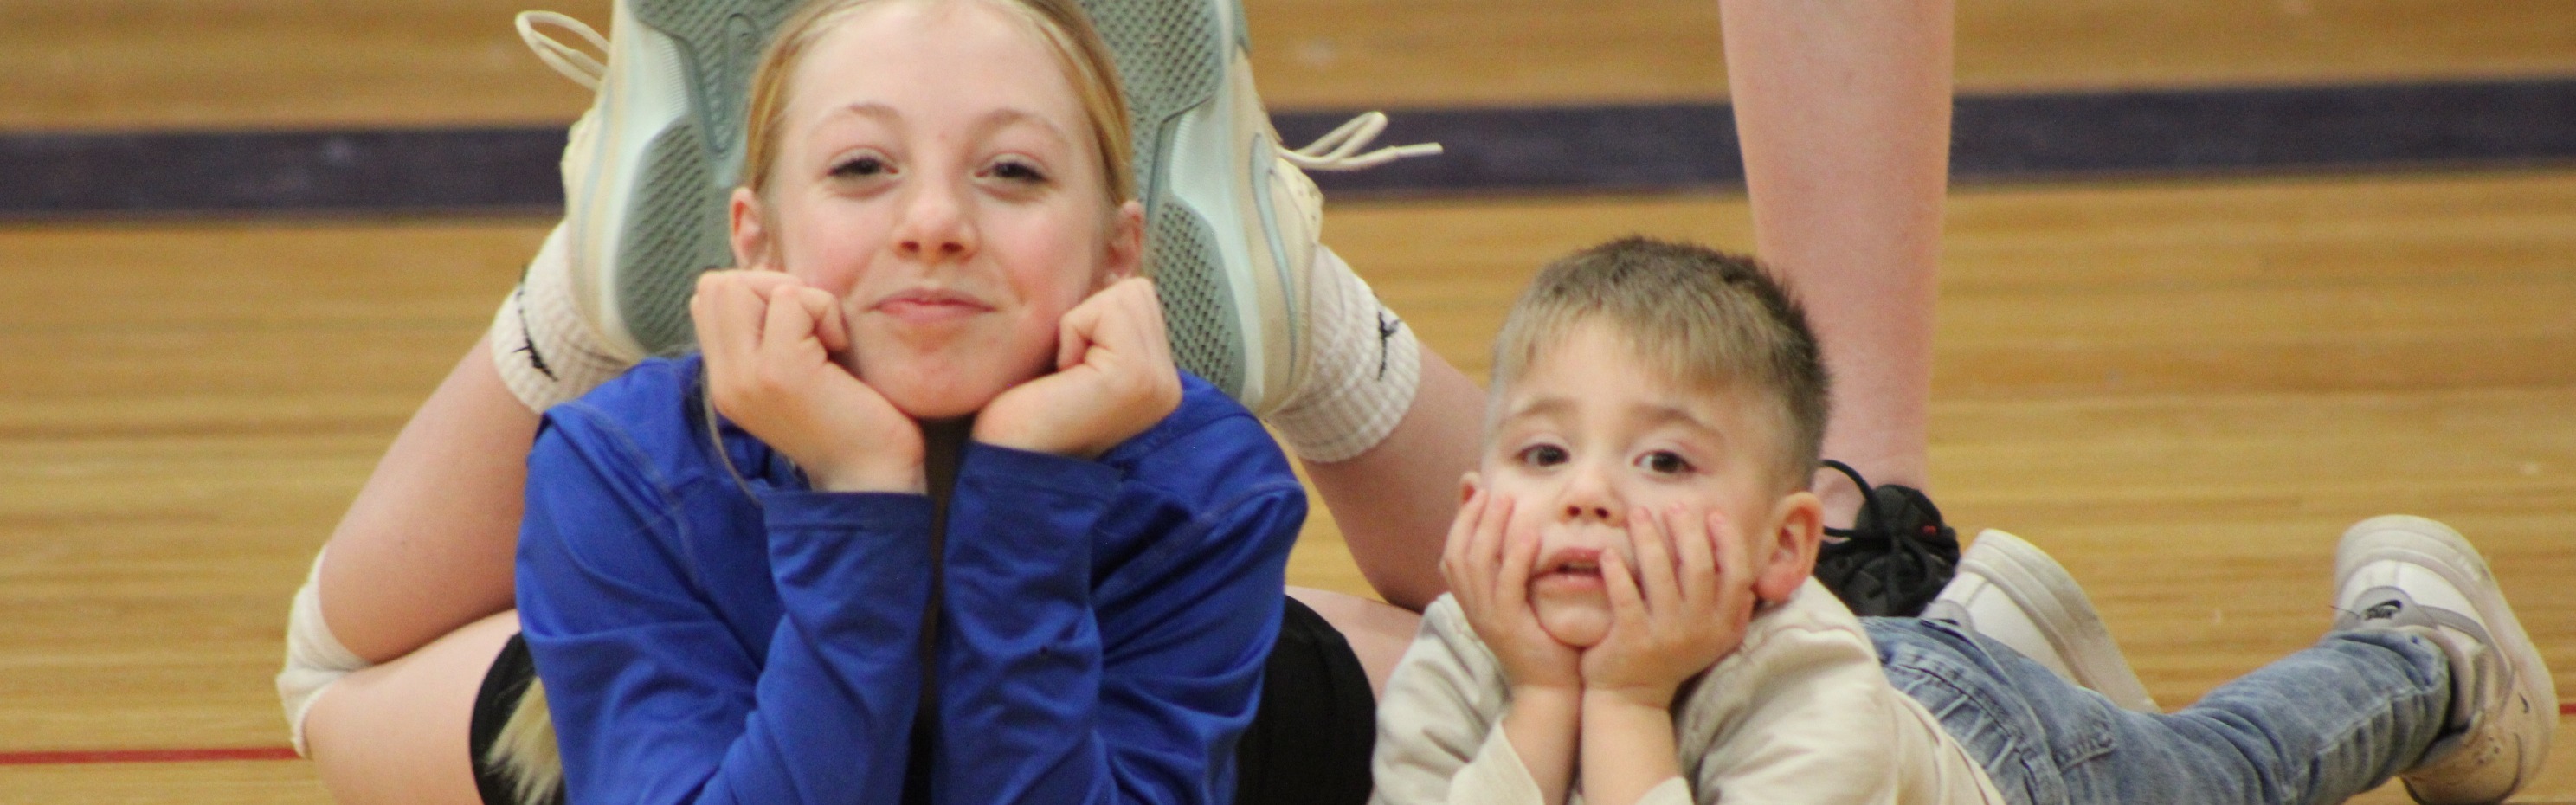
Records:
x=1309, y=742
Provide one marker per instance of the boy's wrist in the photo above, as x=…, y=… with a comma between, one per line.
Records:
x=1628, y=747
x=1542, y=724
x=1552, y=698
x=1641, y=698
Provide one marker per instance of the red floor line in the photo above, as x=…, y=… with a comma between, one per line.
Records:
x=269, y=753
x=144, y=755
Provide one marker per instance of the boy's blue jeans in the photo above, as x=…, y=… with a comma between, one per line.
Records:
x=2320, y=725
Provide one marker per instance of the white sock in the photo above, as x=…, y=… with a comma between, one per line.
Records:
x=546, y=352
x=1361, y=374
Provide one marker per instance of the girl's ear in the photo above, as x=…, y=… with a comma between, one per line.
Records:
x=750, y=237
x=1797, y=530
x=1126, y=257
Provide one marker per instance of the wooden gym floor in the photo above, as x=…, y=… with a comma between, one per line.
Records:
x=2183, y=387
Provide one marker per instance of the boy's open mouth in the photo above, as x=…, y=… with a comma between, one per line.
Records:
x=1571, y=567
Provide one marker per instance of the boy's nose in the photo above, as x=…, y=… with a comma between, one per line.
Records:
x=1588, y=496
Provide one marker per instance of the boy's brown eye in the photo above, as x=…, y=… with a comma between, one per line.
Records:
x=1664, y=462
x=1543, y=455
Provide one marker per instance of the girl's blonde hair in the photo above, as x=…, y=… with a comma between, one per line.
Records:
x=1060, y=23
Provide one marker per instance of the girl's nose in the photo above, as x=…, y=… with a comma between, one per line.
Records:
x=936, y=226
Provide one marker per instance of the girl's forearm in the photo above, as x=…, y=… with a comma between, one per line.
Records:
x=1542, y=724
x=1627, y=748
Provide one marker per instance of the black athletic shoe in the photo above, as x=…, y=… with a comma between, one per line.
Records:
x=1896, y=556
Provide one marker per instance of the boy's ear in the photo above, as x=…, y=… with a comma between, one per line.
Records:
x=750, y=237
x=1126, y=256
x=1797, y=529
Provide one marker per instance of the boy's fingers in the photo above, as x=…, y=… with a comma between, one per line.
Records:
x=1698, y=572
x=1733, y=564
x=1462, y=532
x=1616, y=578
x=1518, y=557
x=1734, y=567
x=1487, y=554
x=1647, y=537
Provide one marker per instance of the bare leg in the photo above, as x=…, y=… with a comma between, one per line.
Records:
x=396, y=733
x=1394, y=502
x=1844, y=112
x=428, y=544
x=1378, y=633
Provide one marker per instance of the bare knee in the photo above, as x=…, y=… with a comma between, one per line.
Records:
x=1377, y=631
x=397, y=732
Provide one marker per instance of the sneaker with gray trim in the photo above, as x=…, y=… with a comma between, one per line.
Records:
x=648, y=169
x=2402, y=572
x=2014, y=593
x=1231, y=220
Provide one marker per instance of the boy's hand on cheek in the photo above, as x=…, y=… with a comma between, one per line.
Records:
x=1114, y=378
x=1488, y=572
x=1685, y=604
x=768, y=340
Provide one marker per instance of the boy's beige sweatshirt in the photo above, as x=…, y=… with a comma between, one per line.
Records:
x=1799, y=713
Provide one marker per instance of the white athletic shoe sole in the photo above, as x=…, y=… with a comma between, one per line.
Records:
x=1225, y=256
x=651, y=166
x=2012, y=592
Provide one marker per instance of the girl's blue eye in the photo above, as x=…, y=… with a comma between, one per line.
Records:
x=1664, y=462
x=1542, y=455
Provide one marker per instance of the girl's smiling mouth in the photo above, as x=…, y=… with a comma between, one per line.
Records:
x=929, y=305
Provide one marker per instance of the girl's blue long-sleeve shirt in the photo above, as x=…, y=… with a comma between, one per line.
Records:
x=708, y=638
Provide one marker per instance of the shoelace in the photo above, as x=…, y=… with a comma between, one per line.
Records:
x=574, y=64
x=1338, y=149
x=1910, y=543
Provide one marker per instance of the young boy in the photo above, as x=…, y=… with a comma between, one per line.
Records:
x=1632, y=618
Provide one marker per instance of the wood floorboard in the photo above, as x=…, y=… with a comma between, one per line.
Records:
x=2184, y=390
x=163, y=64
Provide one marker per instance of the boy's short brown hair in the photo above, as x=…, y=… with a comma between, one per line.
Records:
x=1706, y=319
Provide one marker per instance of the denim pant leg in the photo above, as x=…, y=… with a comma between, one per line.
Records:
x=2319, y=726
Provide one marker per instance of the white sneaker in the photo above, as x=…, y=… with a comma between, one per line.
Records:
x=2011, y=591
x=2409, y=572
x=1231, y=221
x=649, y=167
